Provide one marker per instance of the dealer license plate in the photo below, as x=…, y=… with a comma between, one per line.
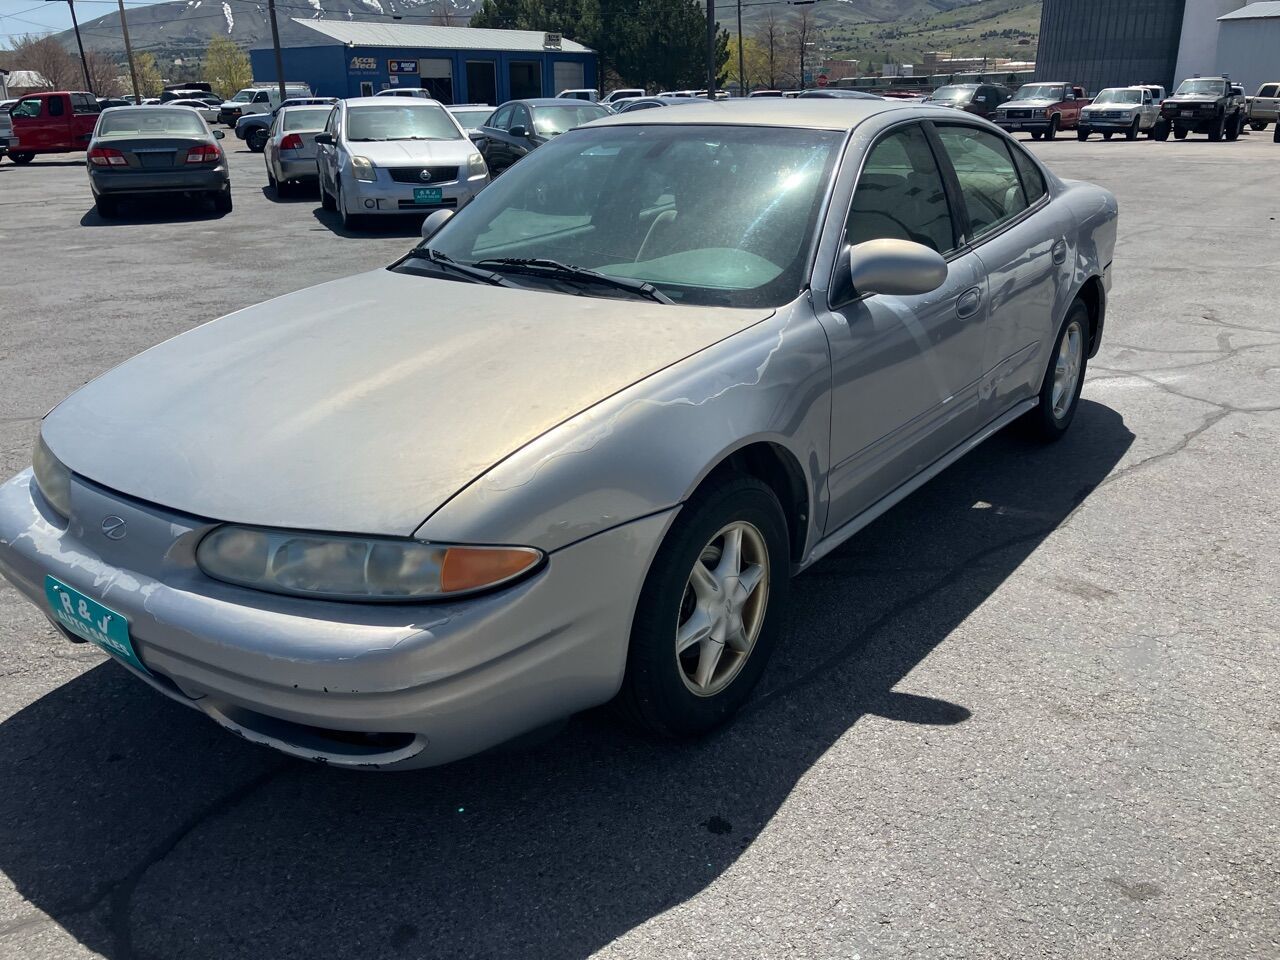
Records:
x=427, y=194
x=89, y=619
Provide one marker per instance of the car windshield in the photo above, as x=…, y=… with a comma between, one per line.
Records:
x=663, y=204
x=400, y=120
x=150, y=121
x=954, y=94
x=553, y=121
x=1118, y=96
x=306, y=119
x=1040, y=91
x=472, y=119
x=1200, y=88
x=244, y=96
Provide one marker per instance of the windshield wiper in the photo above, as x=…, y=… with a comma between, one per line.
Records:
x=448, y=263
x=541, y=267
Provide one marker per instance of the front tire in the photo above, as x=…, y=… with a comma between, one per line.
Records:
x=1179, y=133
x=1106, y=135
x=1132, y=132
x=1159, y=131
x=326, y=201
x=256, y=140
x=1219, y=130
x=1036, y=134
x=1082, y=134
x=710, y=613
x=1234, y=128
x=1060, y=389
x=1258, y=125
x=1052, y=132
x=22, y=157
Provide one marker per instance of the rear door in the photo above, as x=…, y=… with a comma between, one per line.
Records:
x=1024, y=243
x=84, y=117
x=327, y=154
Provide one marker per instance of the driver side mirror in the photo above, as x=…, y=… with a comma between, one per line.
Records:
x=324, y=139
x=519, y=131
x=899, y=268
x=435, y=220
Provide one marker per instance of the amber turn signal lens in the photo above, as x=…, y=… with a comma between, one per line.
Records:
x=471, y=568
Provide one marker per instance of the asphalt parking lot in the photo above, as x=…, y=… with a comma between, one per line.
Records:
x=1030, y=712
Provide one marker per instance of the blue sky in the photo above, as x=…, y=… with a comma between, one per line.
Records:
x=20, y=17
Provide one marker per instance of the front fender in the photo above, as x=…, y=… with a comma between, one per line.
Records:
x=647, y=448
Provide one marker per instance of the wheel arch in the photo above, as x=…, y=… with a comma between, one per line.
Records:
x=1094, y=295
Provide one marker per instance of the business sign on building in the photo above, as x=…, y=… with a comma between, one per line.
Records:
x=364, y=63
x=402, y=66
x=552, y=41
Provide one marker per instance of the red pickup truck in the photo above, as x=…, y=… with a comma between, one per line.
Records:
x=1042, y=109
x=53, y=122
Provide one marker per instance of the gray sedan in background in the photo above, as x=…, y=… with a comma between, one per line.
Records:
x=571, y=448
x=148, y=151
x=290, y=150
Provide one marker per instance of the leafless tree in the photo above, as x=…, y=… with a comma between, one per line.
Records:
x=50, y=59
x=770, y=37
x=104, y=74
x=803, y=35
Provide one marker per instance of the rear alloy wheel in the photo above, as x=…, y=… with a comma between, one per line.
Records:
x=1132, y=132
x=710, y=612
x=22, y=157
x=1060, y=389
x=256, y=140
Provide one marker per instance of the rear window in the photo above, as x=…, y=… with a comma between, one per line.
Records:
x=306, y=119
x=150, y=121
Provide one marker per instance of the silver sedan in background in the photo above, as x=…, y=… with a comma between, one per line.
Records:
x=395, y=155
x=572, y=448
x=290, y=150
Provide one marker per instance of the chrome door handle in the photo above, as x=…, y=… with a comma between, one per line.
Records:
x=969, y=304
x=1060, y=252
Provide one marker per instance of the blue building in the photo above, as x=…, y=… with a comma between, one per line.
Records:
x=456, y=64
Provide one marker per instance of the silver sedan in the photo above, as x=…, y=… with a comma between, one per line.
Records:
x=572, y=448
x=290, y=149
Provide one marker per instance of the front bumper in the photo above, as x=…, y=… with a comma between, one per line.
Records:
x=386, y=196
x=230, y=116
x=1011, y=125
x=106, y=181
x=424, y=683
x=1096, y=122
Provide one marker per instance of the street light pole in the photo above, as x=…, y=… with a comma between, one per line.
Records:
x=128, y=52
x=711, y=49
x=742, y=69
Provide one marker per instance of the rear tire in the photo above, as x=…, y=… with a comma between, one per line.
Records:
x=1275, y=137
x=1036, y=134
x=1258, y=124
x=674, y=693
x=1179, y=133
x=1060, y=389
x=108, y=207
x=222, y=200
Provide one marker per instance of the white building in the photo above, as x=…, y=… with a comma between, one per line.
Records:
x=1228, y=36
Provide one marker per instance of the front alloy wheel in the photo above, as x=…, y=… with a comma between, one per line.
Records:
x=1060, y=389
x=710, y=611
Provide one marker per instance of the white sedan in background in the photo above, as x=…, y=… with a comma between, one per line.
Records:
x=206, y=110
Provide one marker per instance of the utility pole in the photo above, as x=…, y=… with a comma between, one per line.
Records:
x=742, y=60
x=711, y=49
x=275, y=43
x=84, y=63
x=128, y=52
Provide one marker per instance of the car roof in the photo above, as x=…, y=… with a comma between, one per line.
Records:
x=556, y=102
x=382, y=101
x=816, y=113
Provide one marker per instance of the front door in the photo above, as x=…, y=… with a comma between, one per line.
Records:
x=905, y=370
x=36, y=125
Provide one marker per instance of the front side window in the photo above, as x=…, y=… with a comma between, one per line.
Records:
x=1118, y=97
x=663, y=204
x=989, y=182
x=1270, y=90
x=28, y=109
x=502, y=119
x=244, y=96
x=900, y=194
x=553, y=121
x=261, y=97
x=400, y=120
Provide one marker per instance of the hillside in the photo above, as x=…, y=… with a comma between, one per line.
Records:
x=870, y=30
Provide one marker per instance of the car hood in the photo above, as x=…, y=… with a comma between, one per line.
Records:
x=1023, y=104
x=395, y=152
x=363, y=404
x=1110, y=106
x=1192, y=99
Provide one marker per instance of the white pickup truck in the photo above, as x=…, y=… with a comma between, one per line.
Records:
x=1124, y=110
x=1264, y=106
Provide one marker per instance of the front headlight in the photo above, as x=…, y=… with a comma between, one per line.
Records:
x=476, y=165
x=52, y=478
x=362, y=167
x=337, y=567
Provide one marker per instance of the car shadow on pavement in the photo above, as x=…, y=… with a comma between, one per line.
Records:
x=302, y=194
x=381, y=225
x=145, y=831
x=158, y=210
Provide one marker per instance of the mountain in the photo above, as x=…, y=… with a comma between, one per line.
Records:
x=871, y=30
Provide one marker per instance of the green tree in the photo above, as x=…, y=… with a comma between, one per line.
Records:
x=226, y=67
x=150, y=82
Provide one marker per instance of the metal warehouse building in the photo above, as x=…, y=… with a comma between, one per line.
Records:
x=456, y=64
x=1109, y=43
x=1249, y=45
